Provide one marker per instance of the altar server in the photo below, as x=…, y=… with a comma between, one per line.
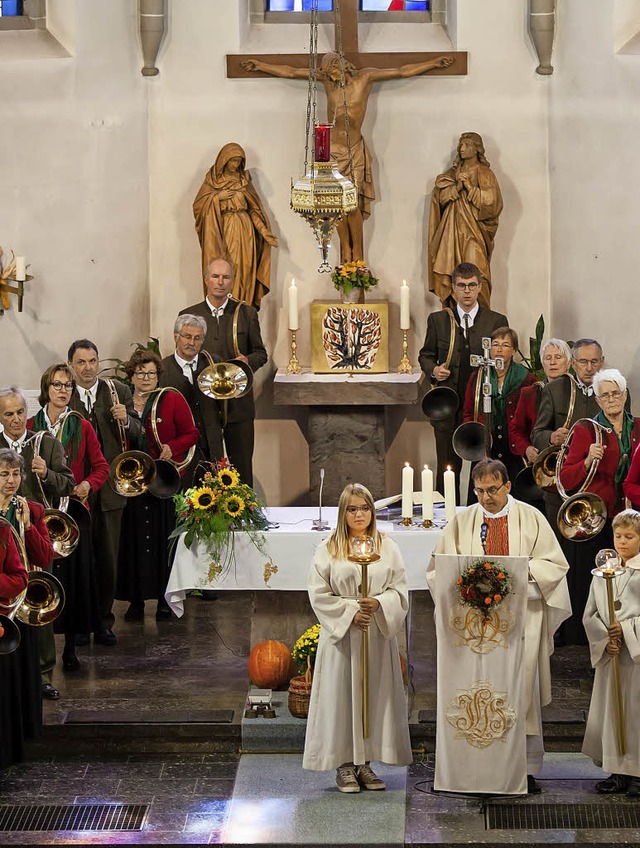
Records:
x=498, y=525
x=335, y=737
x=621, y=639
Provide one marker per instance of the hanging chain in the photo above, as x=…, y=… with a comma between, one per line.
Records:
x=337, y=18
x=312, y=92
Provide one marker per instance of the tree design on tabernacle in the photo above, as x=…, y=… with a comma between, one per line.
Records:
x=351, y=337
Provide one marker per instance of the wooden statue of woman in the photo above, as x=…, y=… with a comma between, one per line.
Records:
x=231, y=222
x=465, y=205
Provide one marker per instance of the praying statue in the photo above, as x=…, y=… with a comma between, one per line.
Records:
x=231, y=222
x=357, y=87
x=463, y=219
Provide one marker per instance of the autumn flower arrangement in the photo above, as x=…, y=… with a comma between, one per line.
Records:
x=483, y=585
x=305, y=649
x=353, y=275
x=211, y=512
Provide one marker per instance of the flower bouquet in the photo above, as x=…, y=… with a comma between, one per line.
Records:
x=483, y=585
x=304, y=653
x=211, y=512
x=353, y=275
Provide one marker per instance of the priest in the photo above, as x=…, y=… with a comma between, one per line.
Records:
x=498, y=525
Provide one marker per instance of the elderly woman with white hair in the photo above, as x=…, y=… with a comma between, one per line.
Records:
x=614, y=455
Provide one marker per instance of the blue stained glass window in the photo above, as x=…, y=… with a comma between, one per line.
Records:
x=365, y=5
x=298, y=5
x=10, y=8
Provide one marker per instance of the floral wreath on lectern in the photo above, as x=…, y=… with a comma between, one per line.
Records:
x=484, y=585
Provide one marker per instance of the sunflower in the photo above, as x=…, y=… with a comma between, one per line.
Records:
x=233, y=506
x=203, y=498
x=228, y=478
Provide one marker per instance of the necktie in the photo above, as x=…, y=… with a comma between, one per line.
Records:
x=88, y=401
x=16, y=446
x=189, y=370
x=466, y=326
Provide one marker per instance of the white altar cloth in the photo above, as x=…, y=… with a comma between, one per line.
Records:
x=290, y=547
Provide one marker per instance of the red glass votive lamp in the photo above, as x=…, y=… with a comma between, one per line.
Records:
x=323, y=142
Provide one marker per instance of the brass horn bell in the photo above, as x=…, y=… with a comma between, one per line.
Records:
x=44, y=600
x=470, y=441
x=440, y=403
x=132, y=472
x=11, y=637
x=544, y=468
x=582, y=516
x=226, y=380
x=63, y=532
x=525, y=487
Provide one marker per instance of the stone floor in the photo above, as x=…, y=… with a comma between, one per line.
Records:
x=154, y=739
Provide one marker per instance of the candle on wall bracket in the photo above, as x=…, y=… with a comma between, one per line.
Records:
x=13, y=276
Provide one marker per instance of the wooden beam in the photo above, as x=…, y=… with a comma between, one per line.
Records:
x=360, y=60
x=349, y=26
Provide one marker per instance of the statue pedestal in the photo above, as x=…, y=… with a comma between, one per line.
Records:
x=347, y=424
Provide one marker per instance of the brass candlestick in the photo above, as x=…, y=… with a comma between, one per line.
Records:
x=427, y=524
x=294, y=366
x=17, y=289
x=364, y=560
x=406, y=522
x=405, y=366
x=609, y=569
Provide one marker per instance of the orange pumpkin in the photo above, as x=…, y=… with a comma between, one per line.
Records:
x=270, y=665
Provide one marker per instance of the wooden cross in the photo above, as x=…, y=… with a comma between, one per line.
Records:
x=349, y=26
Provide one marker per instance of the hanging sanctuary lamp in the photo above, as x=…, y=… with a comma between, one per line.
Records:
x=323, y=196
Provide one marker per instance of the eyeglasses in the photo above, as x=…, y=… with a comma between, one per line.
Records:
x=584, y=362
x=610, y=396
x=58, y=386
x=354, y=510
x=145, y=375
x=501, y=344
x=467, y=286
x=189, y=338
x=481, y=493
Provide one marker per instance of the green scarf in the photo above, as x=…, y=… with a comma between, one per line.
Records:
x=71, y=433
x=11, y=515
x=141, y=441
x=514, y=378
x=624, y=442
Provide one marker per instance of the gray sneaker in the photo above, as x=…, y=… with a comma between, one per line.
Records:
x=367, y=778
x=346, y=780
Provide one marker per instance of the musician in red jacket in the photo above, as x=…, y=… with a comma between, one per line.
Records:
x=90, y=470
x=614, y=460
x=143, y=566
x=506, y=385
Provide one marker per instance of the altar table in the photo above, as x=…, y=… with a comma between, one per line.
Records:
x=290, y=548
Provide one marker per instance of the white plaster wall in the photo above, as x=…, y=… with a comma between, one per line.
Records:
x=74, y=188
x=594, y=130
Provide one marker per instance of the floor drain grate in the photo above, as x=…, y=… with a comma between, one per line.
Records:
x=594, y=816
x=72, y=817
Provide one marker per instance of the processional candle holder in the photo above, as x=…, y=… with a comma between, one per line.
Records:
x=405, y=366
x=294, y=366
x=363, y=553
x=609, y=566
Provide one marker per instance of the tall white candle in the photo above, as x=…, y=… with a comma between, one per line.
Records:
x=405, y=313
x=427, y=494
x=449, y=494
x=407, y=491
x=293, y=306
x=21, y=268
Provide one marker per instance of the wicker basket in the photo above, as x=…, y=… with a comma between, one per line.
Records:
x=299, y=696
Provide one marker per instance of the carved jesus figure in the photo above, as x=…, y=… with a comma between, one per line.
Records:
x=358, y=82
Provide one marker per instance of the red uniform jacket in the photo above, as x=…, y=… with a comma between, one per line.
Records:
x=512, y=401
x=13, y=575
x=631, y=485
x=176, y=427
x=89, y=463
x=36, y=538
x=574, y=473
x=524, y=419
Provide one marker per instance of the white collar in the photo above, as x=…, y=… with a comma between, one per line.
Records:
x=185, y=363
x=504, y=511
x=217, y=311
x=634, y=563
x=54, y=427
x=93, y=390
x=472, y=314
x=19, y=441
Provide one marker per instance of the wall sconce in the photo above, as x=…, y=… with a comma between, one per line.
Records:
x=14, y=271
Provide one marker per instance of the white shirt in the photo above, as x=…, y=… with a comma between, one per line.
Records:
x=54, y=429
x=586, y=390
x=217, y=311
x=93, y=392
x=188, y=366
x=471, y=316
x=16, y=444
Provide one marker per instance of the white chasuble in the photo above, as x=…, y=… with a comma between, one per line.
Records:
x=482, y=698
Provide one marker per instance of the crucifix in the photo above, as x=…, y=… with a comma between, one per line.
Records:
x=486, y=363
x=361, y=71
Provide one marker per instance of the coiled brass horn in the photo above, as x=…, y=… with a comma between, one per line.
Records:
x=167, y=481
x=10, y=637
x=583, y=514
x=44, y=596
x=225, y=380
x=63, y=530
x=132, y=472
x=544, y=465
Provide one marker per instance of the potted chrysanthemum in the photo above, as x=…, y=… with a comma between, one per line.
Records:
x=304, y=653
x=352, y=280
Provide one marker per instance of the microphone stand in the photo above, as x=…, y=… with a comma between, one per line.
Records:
x=318, y=523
